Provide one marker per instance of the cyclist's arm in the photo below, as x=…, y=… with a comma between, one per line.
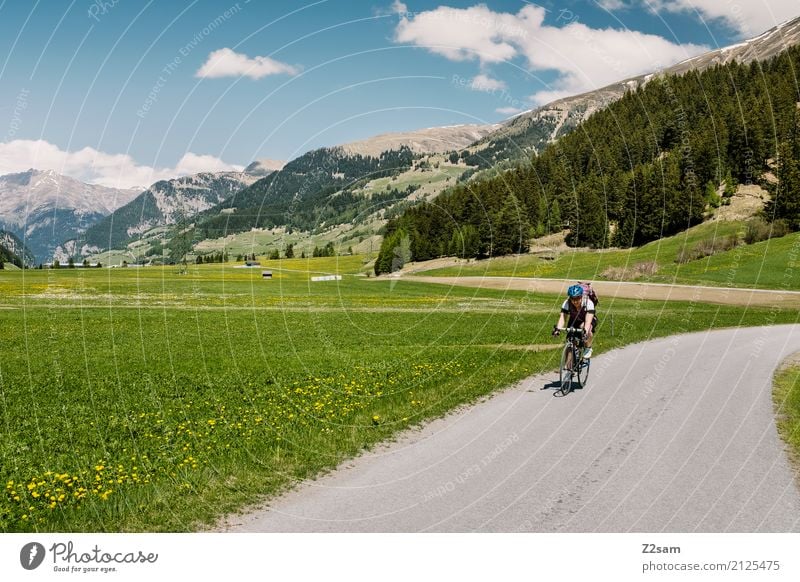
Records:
x=564, y=313
x=588, y=324
x=590, y=310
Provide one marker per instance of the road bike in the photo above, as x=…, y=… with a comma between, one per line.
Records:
x=574, y=367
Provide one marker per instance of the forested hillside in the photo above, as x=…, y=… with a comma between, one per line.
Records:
x=310, y=190
x=645, y=167
x=113, y=231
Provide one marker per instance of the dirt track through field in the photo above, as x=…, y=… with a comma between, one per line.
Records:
x=639, y=291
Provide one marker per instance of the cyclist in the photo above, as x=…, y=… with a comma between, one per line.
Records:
x=579, y=311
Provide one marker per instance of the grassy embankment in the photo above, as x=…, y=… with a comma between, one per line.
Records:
x=786, y=395
x=144, y=400
x=770, y=264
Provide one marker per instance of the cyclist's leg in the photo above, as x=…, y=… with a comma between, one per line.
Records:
x=566, y=359
x=587, y=340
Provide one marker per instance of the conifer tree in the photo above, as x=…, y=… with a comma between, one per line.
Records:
x=785, y=203
x=556, y=223
x=591, y=228
x=511, y=228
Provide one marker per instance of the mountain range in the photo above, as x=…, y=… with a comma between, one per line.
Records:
x=330, y=184
x=321, y=187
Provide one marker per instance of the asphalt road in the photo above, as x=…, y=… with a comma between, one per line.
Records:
x=672, y=435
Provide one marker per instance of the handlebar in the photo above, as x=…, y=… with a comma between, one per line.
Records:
x=570, y=329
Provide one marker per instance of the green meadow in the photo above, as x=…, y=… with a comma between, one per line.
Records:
x=429, y=181
x=149, y=400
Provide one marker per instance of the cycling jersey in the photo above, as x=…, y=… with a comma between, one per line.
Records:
x=577, y=317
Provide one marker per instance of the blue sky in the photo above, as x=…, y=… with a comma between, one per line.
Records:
x=121, y=92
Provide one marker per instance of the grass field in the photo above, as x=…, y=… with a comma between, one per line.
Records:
x=146, y=400
x=771, y=264
x=360, y=238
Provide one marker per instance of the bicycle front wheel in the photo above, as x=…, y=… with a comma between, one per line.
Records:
x=565, y=371
x=566, y=383
x=583, y=372
x=566, y=362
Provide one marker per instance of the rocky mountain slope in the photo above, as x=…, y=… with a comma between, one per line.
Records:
x=43, y=207
x=431, y=140
x=12, y=250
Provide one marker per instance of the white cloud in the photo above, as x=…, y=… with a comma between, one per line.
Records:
x=192, y=163
x=399, y=7
x=586, y=58
x=227, y=63
x=592, y=58
x=748, y=17
x=96, y=167
x=486, y=83
x=611, y=4
x=509, y=110
x=462, y=34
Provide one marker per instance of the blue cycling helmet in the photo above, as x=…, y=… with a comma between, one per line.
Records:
x=575, y=291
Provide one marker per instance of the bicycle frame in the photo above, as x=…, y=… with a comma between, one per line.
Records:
x=572, y=362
